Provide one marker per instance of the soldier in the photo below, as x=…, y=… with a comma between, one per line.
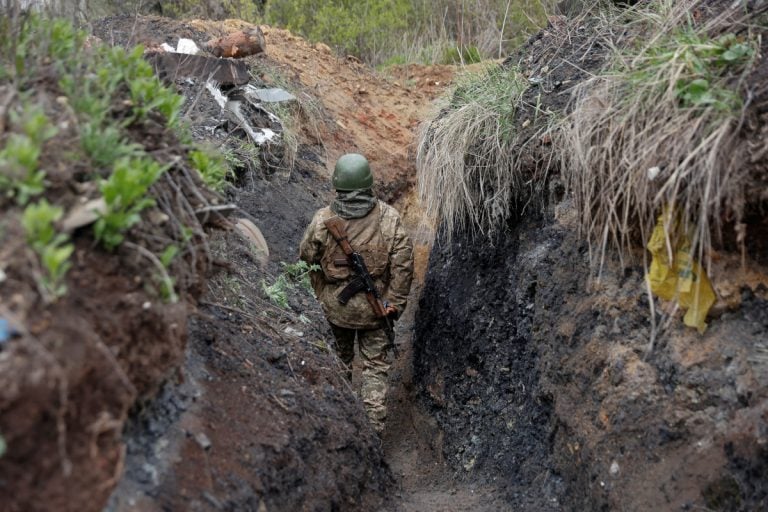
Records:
x=375, y=231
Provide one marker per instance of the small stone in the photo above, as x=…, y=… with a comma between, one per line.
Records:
x=203, y=441
x=146, y=305
x=614, y=468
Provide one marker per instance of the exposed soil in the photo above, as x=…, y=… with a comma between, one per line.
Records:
x=259, y=384
x=541, y=374
x=524, y=383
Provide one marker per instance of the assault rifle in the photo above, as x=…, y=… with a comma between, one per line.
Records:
x=363, y=282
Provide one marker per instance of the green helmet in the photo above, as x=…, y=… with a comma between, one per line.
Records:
x=352, y=172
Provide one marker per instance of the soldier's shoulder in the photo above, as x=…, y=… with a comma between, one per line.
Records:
x=323, y=213
x=388, y=211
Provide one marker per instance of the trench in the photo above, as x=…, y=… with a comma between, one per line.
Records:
x=469, y=428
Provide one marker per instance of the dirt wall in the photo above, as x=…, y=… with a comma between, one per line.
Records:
x=543, y=377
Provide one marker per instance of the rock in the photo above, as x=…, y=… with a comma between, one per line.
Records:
x=238, y=44
x=202, y=440
x=253, y=234
x=83, y=214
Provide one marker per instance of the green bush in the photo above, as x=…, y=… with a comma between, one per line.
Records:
x=20, y=176
x=125, y=194
x=213, y=167
x=293, y=274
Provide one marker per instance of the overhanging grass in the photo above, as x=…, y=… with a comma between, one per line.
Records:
x=660, y=127
x=468, y=174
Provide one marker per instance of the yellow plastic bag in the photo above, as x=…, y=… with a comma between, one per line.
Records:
x=683, y=279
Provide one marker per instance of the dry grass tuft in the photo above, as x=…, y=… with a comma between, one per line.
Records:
x=661, y=127
x=469, y=176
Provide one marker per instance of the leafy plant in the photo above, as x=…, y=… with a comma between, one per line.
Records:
x=105, y=144
x=168, y=282
x=277, y=292
x=293, y=274
x=20, y=176
x=125, y=194
x=52, y=247
x=697, y=64
x=299, y=273
x=213, y=167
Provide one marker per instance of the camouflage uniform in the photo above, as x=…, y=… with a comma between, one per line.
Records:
x=386, y=248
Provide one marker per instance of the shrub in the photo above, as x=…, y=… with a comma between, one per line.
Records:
x=214, y=169
x=375, y=30
x=293, y=274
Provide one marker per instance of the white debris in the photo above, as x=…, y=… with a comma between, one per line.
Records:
x=260, y=135
x=202, y=440
x=168, y=48
x=213, y=88
x=614, y=468
x=263, y=135
x=653, y=172
x=187, y=46
x=293, y=332
x=268, y=95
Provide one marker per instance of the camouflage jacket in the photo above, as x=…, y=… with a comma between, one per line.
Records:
x=382, y=241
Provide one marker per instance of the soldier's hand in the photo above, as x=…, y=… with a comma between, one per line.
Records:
x=391, y=311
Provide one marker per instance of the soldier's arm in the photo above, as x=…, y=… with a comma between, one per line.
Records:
x=311, y=251
x=310, y=248
x=401, y=268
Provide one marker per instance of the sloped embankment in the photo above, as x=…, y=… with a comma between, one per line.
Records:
x=541, y=373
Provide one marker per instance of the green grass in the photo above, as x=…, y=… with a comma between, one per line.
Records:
x=468, y=174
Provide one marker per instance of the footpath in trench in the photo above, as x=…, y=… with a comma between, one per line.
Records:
x=238, y=430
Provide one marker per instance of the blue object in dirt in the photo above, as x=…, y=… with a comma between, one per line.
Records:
x=4, y=330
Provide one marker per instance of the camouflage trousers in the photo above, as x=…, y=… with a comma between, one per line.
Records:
x=372, y=343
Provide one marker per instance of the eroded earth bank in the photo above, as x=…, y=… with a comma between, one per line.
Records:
x=527, y=380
